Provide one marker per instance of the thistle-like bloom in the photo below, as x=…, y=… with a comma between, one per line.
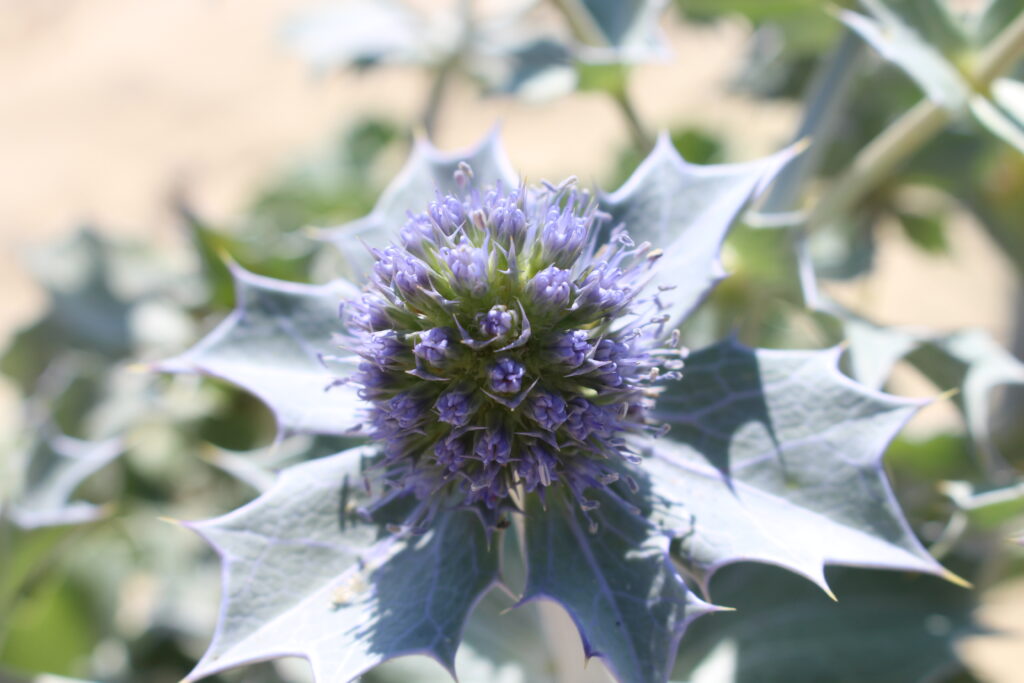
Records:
x=516, y=352
x=510, y=343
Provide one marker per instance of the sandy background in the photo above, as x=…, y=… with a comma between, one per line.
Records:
x=108, y=106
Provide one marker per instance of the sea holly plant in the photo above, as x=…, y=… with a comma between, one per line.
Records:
x=511, y=362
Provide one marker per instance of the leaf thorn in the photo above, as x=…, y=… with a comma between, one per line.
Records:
x=801, y=145
x=140, y=368
x=955, y=579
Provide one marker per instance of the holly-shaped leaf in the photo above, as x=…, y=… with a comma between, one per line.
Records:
x=616, y=581
x=885, y=627
x=360, y=32
x=616, y=30
x=496, y=638
x=427, y=171
x=686, y=210
x=277, y=344
x=998, y=106
x=56, y=465
x=257, y=468
x=776, y=457
x=902, y=45
x=305, y=575
x=84, y=314
x=969, y=360
x=874, y=350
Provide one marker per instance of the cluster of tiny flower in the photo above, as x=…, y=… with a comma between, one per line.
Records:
x=502, y=351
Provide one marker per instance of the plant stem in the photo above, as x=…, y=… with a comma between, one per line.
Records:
x=435, y=97
x=642, y=140
x=1002, y=53
x=904, y=136
x=446, y=70
x=911, y=131
x=826, y=99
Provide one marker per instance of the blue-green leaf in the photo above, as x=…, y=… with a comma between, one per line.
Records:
x=885, y=627
x=776, y=457
x=427, y=171
x=86, y=312
x=618, y=583
x=611, y=31
x=902, y=45
x=970, y=360
x=987, y=509
x=686, y=210
x=1002, y=113
x=536, y=69
x=275, y=345
x=305, y=575
x=875, y=350
x=54, y=466
x=500, y=645
x=980, y=364
x=360, y=32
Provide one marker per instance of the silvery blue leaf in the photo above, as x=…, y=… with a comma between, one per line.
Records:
x=257, y=468
x=902, y=45
x=274, y=345
x=968, y=359
x=612, y=31
x=885, y=627
x=617, y=583
x=427, y=171
x=493, y=649
x=987, y=509
x=776, y=457
x=85, y=313
x=359, y=32
x=686, y=210
x=874, y=350
x=305, y=575
x=984, y=365
x=1002, y=113
x=55, y=466
x=537, y=70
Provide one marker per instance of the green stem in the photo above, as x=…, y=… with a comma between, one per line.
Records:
x=642, y=140
x=826, y=100
x=446, y=70
x=1002, y=53
x=911, y=131
x=435, y=97
x=904, y=136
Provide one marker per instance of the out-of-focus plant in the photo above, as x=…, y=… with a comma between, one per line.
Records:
x=532, y=49
x=485, y=445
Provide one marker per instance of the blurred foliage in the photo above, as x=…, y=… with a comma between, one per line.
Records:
x=126, y=597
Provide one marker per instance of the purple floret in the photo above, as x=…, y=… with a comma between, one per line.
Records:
x=434, y=345
x=506, y=376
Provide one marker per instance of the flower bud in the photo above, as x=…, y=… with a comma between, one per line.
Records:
x=550, y=289
x=506, y=376
x=435, y=345
x=497, y=322
x=570, y=348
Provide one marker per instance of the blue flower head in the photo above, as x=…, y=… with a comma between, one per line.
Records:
x=518, y=349
x=509, y=347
